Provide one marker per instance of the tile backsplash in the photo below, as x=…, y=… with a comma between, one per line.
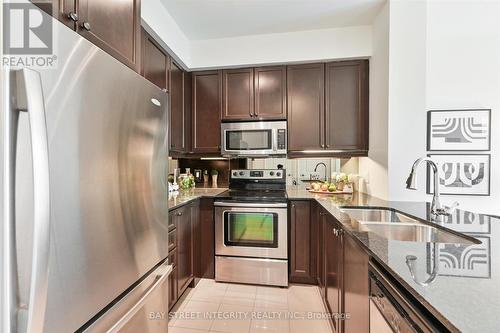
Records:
x=303, y=168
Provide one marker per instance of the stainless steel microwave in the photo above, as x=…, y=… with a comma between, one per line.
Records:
x=253, y=139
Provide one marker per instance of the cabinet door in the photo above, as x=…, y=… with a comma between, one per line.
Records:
x=184, y=249
x=305, y=87
x=300, y=242
x=114, y=26
x=187, y=112
x=356, y=287
x=172, y=288
x=333, y=268
x=238, y=94
x=347, y=105
x=207, y=236
x=320, y=268
x=154, y=62
x=270, y=92
x=60, y=9
x=177, y=114
x=207, y=102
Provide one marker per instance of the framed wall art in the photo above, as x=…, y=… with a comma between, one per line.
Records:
x=459, y=130
x=461, y=174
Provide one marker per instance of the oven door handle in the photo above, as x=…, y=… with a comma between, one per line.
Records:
x=250, y=205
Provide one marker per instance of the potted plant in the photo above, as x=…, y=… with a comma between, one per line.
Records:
x=214, y=174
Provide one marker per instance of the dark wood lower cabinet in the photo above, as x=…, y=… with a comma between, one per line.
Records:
x=206, y=254
x=182, y=236
x=342, y=276
x=333, y=268
x=302, y=246
x=356, y=287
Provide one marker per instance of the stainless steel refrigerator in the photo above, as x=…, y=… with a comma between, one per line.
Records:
x=84, y=195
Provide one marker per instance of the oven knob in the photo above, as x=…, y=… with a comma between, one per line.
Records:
x=278, y=174
x=241, y=173
x=271, y=173
x=235, y=174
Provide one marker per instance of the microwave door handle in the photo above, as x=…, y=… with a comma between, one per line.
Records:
x=30, y=99
x=161, y=273
x=275, y=140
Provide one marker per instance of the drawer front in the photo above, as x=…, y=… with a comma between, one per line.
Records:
x=172, y=240
x=272, y=272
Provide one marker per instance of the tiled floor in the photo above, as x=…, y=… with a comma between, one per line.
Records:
x=237, y=308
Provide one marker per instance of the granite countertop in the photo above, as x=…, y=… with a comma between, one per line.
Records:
x=177, y=199
x=465, y=295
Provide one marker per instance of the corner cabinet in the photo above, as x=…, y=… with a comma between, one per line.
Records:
x=155, y=62
x=177, y=109
x=207, y=110
x=328, y=109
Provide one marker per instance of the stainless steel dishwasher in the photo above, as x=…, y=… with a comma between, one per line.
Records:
x=392, y=311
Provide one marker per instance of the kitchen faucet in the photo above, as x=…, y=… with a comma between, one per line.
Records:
x=316, y=167
x=411, y=183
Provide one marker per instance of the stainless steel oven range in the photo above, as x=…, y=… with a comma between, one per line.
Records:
x=251, y=229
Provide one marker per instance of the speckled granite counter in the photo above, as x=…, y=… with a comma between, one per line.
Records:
x=465, y=296
x=176, y=200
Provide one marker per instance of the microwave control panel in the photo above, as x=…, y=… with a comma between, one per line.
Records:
x=281, y=139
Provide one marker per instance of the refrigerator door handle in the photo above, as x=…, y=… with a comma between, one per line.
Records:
x=161, y=273
x=30, y=99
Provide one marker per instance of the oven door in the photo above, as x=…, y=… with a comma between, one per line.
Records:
x=251, y=230
x=253, y=138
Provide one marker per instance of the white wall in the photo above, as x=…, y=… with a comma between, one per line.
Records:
x=300, y=46
x=463, y=71
x=407, y=116
x=158, y=22
x=373, y=169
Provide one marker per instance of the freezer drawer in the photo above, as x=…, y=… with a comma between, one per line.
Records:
x=144, y=309
x=271, y=272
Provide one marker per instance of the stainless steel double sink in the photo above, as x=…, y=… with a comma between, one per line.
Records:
x=394, y=225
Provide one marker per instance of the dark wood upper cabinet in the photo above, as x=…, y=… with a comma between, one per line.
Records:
x=114, y=26
x=188, y=98
x=60, y=9
x=305, y=90
x=347, y=105
x=333, y=268
x=238, y=94
x=270, y=92
x=356, y=287
x=155, y=62
x=206, y=115
x=177, y=112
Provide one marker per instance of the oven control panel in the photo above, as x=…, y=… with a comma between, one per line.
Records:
x=258, y=174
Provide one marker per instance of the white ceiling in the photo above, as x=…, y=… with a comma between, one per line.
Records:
x=207, y=19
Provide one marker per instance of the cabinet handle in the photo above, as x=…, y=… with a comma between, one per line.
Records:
x=178, y=213
x=86, y=26
x=327, y=146
x=73, y=16
x=322, y=146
